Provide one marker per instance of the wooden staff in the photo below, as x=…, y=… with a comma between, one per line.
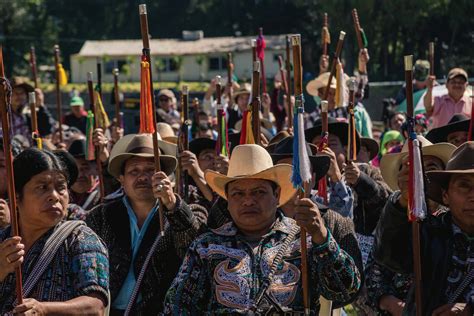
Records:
x=256, y=102
x=431, y=56
x=352, y=145
x=146, y=52
x=5, y=110
x=35, y=135
x=90, y=89
x=288, y=81
x=58, y=93
x=230, y=74
x=337, y=54
x=34, y=72
x=222, y=139
x=254, y=50
x=357, y=28
x=470, y=136
x=184, y=140
x=322, y=184
x=118, y=119
x=325, y=42
x=283, y=76
x=99, y=78
x=298, y=73
x=415, y=224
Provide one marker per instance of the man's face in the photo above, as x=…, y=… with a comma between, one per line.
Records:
x=206, y=159
x=165, y=103
x=252, y=203
x=19, y=98
x=456, y=87
x=77, y=110
x=336, y=146
x=331, y=97
x=457, y=138
x=136, y=178
x=3, y=175
x=243, y=101
x=86, y=177
x=363, y=155
x=460, y=199
x=396, y=121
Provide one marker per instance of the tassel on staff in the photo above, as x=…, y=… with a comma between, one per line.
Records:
x=5, y=110
x=301, y=166
x=414, y=194
x=94, y=113
x=147, y=92
x=261, y=57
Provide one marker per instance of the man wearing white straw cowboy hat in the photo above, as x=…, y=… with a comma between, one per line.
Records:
x=227, y=269
x=130, y=226
x=447, y=240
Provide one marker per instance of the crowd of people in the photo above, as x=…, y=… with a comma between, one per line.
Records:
x=127, y=241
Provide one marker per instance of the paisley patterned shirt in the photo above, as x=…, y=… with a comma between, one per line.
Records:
x=221, y=273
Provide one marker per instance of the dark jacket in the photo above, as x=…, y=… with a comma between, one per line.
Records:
x=370, y=194
x=393, y=249
x=111, y=222
x=342, y=229
x=45, y=121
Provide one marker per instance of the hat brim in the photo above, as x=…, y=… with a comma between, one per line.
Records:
x=319, y=162
x=28, y=88
x=440, y=134
x=239, y=93
x=280, y=174
x=168, y=163
x=390, y=163
x=340, y=129
x=435, y=178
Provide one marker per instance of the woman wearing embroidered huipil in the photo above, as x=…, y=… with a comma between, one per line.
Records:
x=75, y=278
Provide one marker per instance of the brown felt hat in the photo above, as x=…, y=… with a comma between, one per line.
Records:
x=461, y=162
x=140, y=145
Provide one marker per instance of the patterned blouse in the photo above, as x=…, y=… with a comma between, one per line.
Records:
x=222, y=272
x=80, y=267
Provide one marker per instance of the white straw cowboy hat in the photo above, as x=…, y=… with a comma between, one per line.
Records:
x=246, y=88
x=461, y=162
x=321, y=82
x=391, y=163
x=141, y=145
x=252, y=162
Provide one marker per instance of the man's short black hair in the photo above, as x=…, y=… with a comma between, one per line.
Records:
x=273, y=184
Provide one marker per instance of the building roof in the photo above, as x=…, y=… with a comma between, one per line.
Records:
x=167, y=47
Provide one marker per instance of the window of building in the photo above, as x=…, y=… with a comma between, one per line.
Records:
x=217, y=63
x=112, y=64
x=166, y=64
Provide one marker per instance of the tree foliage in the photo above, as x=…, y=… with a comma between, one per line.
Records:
x=393, y=27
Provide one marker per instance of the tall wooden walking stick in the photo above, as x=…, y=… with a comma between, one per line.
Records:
x=325, y=35
x=288, y=81
x=58, y=91
x=337, y=55
x=222, y=144
x=99, y=77
x=301, y=172
x=230, y=75
x=285, y=88
x=34, y=72
x=93, y=110
x=256, y=102
x=118, y=118
x=5, y=110
x=323, y=184
x=431, y=53
x=35, y=135
x=360, y=34
x=416, y=199
x=146, y=59
x=352, y=145
x=183, y=144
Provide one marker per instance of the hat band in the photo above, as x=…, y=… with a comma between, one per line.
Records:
x=141, y=150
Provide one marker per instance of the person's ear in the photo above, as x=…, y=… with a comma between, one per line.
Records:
x=121, y=179
x=445, y=196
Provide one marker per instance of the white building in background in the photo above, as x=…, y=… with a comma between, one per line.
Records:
x=191, y=58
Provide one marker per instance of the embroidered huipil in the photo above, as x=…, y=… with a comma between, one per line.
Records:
x=221, y=273
x=80, y=267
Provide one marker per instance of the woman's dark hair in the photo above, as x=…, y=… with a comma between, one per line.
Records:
x=33, y=161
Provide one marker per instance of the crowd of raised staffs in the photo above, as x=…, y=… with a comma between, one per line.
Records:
x=102, y=231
